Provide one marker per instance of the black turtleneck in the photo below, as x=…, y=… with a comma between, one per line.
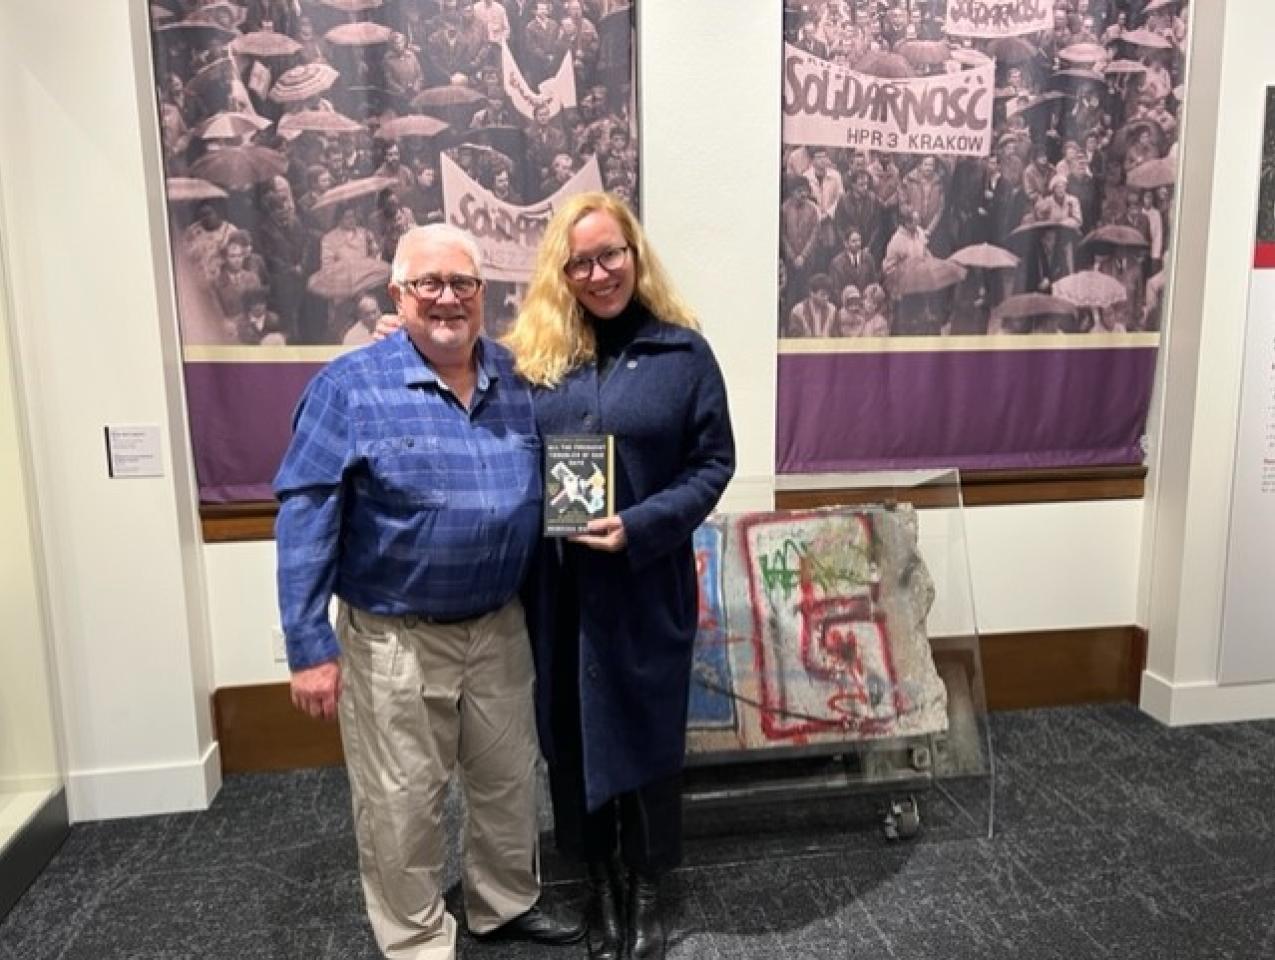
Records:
x=615, y=334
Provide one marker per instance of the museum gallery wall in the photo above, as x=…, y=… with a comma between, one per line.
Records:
x=301, y=138
x=977, y=214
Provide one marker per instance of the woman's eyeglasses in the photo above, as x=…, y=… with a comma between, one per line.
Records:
x=610, y=260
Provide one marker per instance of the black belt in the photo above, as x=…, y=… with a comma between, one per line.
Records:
x=412, y=619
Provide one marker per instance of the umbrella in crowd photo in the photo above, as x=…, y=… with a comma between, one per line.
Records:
x=1089, y=288
x=1032, y=313
x=263, y=44
x=346, y=279
x=239, y=167
x=361, y=34
x=301, y=140
x=192, y=188
x=985, y=256
x=318, y=121
x=928, y=275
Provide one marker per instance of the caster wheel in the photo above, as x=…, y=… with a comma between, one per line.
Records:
x=920, y=758
x=902, y=819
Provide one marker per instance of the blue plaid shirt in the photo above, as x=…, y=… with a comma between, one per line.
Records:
x=400, y=501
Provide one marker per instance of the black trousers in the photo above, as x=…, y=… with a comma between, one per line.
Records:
x=644, y=825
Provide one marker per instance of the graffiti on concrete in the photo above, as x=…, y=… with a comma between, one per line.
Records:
x=812, y=630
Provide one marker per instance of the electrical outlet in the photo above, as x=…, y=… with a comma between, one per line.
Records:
x=277, y=644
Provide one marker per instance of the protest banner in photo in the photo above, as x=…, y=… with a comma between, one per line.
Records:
x=556, y=93
x=948, y=114
x=507, y=234
x=998, y=18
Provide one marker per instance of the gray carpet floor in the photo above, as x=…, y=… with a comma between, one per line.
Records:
x=1115, y=838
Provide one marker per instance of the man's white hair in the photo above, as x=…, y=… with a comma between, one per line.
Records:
x=434, y=234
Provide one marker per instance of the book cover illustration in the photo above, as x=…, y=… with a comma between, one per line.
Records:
x=578, y=482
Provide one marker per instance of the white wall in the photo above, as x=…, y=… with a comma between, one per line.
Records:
x=709, y=109
x=121, y=559
x=146, y=621
x=1189, y=500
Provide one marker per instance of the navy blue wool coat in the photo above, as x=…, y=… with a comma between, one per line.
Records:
x=665, y=403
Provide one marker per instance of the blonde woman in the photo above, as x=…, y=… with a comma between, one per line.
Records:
x=610, y=348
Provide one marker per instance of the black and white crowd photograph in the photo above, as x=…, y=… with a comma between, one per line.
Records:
x=975, y=167
x=302, y=138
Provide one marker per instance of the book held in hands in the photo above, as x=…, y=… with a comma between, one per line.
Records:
x=578, y=482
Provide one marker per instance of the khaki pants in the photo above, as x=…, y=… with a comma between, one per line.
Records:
x=418, y=699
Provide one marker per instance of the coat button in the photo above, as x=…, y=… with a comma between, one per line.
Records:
x=592, y=671
x=588, y=421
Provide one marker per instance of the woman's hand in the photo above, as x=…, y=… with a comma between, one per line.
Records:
x=606, y=534
x=389, y=323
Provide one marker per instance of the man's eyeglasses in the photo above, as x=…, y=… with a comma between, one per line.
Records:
x=431, y=286
x=610, y=260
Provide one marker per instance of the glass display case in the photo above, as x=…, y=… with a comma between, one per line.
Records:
x=837, y=680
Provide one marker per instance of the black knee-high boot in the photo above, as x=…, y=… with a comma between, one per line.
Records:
x=646, y=918
x=604, y=935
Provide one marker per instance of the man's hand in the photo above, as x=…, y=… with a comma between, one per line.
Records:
x=389, y=323
x=606, y=534
x=316, y=690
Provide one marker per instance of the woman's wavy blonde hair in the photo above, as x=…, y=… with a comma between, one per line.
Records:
x=550, y=337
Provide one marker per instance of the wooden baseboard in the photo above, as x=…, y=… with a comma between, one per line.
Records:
x=238, y=522
x=1063, y=667
x=258, y=728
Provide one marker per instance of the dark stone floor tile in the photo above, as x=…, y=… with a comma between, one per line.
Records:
x=1043, y=737
x=1116, y=837
x=780, y=896
x=1074, y=870
x=1028, y=800
x=170, y=910
x=1242, y=856
x=1162, y=815
x=1250, y=745
x=52, y=909
x=1136, y=928
x=234, y=941
x=845, y=940
x=921, y=879
x=968, y=927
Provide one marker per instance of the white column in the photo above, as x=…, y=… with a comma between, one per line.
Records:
x=708, y=74
x=1189, y=496
x=96, y=343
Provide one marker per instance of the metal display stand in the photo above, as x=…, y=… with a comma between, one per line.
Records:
x=840, y=734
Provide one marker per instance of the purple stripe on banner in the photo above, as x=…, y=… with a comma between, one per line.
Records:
x=1007, y=409
x=240, y=424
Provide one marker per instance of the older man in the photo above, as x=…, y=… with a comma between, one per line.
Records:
x=411, y=490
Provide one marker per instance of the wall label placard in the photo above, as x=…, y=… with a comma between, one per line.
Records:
x=133, y=450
